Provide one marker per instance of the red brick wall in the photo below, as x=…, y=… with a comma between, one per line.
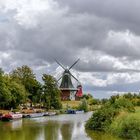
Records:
x=65, y=95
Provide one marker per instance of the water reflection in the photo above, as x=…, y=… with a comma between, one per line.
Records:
x=62, y=127
x=66, y=131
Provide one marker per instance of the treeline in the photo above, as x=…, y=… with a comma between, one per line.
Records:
x=118, y=115
x=20, y=86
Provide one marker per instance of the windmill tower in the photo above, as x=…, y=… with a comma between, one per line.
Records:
x=68, y=90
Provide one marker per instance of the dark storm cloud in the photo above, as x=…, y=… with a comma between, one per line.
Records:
x=65, y=38
x=103, y=34
x=123, y=15
x=122, y=12
x=67, y=34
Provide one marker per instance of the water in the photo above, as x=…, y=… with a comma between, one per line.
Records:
x=61, y=127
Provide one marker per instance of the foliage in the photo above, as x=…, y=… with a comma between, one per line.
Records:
x=113, y=98
x=11, y=93
x=5, y=95
x=21, y=84
x=51, y=93
x=83, y=105
x=18, y=94
x=118, y=116
x=93, y=101
x=127, y=126
x=104, y=101
x=26, y=77
x=124, y=104
x=102, y=118
x=86, y=96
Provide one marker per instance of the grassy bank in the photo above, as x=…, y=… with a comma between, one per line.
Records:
x=127, y=125
x=70, y=104
x=65, y=105
x=118, y=116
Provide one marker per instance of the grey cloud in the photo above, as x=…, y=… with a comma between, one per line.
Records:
x=66, y=34
x=120, y=87
x=122, y=12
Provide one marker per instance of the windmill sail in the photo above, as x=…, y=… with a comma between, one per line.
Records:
x=60, y=64
x=68, y=91
x=73, y=64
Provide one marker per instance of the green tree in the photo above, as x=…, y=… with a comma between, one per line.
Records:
x=12, y=93
x=83, y=105
x=18, y=94
x=26, y=76
x=51, y=93
x=103, y=117
x=87, y=96
x=5, y=95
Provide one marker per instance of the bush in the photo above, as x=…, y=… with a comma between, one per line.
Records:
x=126, y=127
x=83, y=105
x=102, y=118
x=138, y=103
x=124, y=104
x=92, y=101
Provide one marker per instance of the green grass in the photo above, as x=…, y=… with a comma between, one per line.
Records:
x=127, y=125
x=118, y=116
x=70, y=104
x=137, y=110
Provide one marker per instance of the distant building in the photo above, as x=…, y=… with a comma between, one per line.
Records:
x=68, y=91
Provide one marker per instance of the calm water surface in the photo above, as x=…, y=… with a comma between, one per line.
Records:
x=61, y=127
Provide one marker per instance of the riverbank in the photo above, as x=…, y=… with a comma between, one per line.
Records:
x=61, y=127
x=127, y=125
x=69, y=107
x=118, y=116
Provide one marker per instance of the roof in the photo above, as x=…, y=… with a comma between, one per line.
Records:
x=66, y=81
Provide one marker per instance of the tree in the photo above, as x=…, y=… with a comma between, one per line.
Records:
x=11, y=93
x=87, y=96
x=83, y=105
x=5, y=95
x=51, y=93
x=18, y=94
x=26, y=76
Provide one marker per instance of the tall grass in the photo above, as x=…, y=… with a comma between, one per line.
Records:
x=118, y=116
x=70, y=104
x=126, y=126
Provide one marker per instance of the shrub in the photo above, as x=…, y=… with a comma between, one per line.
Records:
x=126, y=126
x=123, y=103
x=102, y=118
x=83, y=105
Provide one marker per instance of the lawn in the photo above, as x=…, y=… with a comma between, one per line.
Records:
x=70, y=104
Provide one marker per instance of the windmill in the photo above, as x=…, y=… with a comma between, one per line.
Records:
x=68, y=91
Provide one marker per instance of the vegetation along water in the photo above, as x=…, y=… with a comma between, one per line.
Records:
x=118, y=116
x=61, y=127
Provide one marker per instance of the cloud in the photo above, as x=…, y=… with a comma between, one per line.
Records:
x=127, y=44
x=105, y=36
x=123, y=13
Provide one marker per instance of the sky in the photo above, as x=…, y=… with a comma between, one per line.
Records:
x=105, y=35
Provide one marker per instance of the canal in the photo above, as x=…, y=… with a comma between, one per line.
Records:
x=61, y=127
